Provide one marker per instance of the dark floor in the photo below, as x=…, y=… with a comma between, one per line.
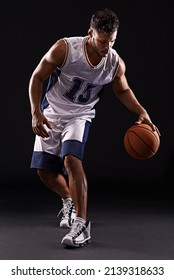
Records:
x=129, y=225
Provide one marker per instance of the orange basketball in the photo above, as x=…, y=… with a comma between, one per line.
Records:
x=141, y=142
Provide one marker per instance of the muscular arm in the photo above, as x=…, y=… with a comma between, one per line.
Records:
x=52, y=59
x=124, y=93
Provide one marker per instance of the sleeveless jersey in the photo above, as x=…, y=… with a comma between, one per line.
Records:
x=74, y=89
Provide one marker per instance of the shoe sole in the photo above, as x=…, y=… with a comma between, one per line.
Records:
x=68, y=243
x=65, y=226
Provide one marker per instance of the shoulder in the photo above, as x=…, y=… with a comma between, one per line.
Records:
x=113, y=52
x=57, y=52
x=74, y=38
x=74, y=41
x=113, y=57
x=121, y=67
x=74, y=46
x=59, y=45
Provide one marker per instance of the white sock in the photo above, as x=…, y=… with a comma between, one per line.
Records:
x=67, y=200
x=80, y=220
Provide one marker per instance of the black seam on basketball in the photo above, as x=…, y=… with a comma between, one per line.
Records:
x=142, y=141
x=134, y=149
x=145, y=128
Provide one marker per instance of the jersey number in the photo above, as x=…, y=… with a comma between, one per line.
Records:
x=72, y=94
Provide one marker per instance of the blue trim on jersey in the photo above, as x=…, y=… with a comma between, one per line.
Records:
x=53, y=79
x=51, y=82
x=43, y=160
x=44, y=104
x=74, y=147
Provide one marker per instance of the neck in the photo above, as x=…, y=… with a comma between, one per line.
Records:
x=93, y=57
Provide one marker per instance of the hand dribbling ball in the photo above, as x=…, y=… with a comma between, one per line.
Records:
x=141, y=142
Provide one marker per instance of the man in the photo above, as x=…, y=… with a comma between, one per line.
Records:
x=77, y=69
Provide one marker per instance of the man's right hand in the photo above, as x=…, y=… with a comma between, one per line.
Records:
x=38, y=125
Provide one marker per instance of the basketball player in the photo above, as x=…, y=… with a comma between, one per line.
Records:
x=77, y=69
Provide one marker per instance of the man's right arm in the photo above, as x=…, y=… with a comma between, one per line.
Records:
x=52, y=59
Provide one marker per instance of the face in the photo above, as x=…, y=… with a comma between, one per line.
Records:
x=101, y=42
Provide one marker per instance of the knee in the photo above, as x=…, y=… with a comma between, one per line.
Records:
x=44, y=175
x=72, y=163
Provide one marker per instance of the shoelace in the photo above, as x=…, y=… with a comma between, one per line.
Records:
x=76, y=228
x=66, y=210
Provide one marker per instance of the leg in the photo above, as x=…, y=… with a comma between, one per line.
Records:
x=54, y=181
x=79, y=234
x=73, y=143
x=77, y=184
x=57, y=183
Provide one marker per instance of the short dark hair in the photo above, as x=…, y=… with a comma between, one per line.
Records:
x=105, y=21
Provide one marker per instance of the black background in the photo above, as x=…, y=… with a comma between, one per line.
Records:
x=145, y=42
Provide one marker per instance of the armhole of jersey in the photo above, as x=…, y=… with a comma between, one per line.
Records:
x=115, y=70
x=66, y=55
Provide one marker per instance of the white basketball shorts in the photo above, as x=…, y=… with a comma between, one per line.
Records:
x=67, y=137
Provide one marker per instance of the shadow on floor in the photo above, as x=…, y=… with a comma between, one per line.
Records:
x=129, y=225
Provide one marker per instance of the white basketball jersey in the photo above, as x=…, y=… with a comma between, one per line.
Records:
x=74, y=88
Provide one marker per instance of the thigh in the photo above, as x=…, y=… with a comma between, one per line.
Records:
x=51, y=144
x=46, y=152
x=74, y=137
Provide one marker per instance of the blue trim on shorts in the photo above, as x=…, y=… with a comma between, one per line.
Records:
x=75, y=147
x=43, y=160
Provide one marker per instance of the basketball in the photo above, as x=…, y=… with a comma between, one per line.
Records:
x=141, y=142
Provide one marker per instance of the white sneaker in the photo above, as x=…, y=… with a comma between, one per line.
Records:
x=68, y=215
x=79, y=235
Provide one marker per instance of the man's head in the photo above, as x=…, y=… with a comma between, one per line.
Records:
x=103, y=31
x=105, y=21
